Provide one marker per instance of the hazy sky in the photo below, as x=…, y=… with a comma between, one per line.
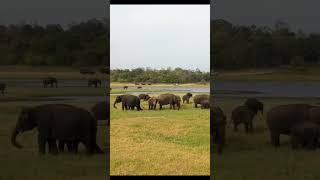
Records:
x=299, y=14
x=51, y=11
x=160, y=36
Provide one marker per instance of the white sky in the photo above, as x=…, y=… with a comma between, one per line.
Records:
x=160, y=36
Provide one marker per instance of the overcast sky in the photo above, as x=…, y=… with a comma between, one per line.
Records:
x=51, y=11
x=299, y=14
x=160, y=36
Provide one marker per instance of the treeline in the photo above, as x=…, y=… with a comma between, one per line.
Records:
x=168, y=75
x=79, y=44
x=236, y=46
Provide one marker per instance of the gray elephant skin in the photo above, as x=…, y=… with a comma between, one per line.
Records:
x=143, y=97
x=152, y=102
x=128, y=102
x=169, y=99
x=218, y=123
x=243, y=115
x=281, y=119
x=50, y=80
x=305, y=135
x=186, y=98
x=205, y=104
x=198, y=98
x=58, y=122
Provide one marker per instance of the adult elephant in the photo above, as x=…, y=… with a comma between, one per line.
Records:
x=218, y=123
x=2, y=88
x=144, y=97
x=255, y=105
x=58, y=122
x=186, y=98
x=243, y=115
x=128, y=101
x=281, y=119
x=306, y=135
x=94, y=82
x=50, y=80
x=168, y=99
x=199, y=98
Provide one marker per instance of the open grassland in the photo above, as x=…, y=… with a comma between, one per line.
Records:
x=160, y=85
x=251, y=157
x=27, y=164
x=278, y=74
x=166, y=142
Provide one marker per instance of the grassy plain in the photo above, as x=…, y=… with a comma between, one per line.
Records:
x=251, y=157
x=166, y=142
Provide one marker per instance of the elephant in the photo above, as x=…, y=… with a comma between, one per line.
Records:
x=254, y=105
x=2, y=88
x=128, y=101
x=51, y=81
x=186, y=97
x=171, y=99
x=205, y=104
x=218, y=122
x=139, y=87
x=152, y=102
x=149, y=84
x=282, y=118
x=58, y=122
x=143, y=83
x=94, y=81
x=101, y=111
x=305, y=134
x=144, y=96
x=178, y=101
x=198, y=98
x=243, y=114
x=125, y=87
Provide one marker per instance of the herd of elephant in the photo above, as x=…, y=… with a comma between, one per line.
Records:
x=130, y=102
x=53, y=82
x=299, y=121
x=70, y=125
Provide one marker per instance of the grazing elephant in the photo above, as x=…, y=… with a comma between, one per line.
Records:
x=243, y=114
x=125, y=87
x=2, y=88
x=51, y=81
x=94, y=81
x=139, y=87
x=254, y=105
x=143, y=84
x=101, y=111
x=198, y=98
x=218, y=123
x=152, y=102
x=128, y=101
x=58, y=122
x=305, y=134
x=186, y=97
x=205, y=104
x=144, y=96
x=149, y=84
x=171, y=99
x=281, y=119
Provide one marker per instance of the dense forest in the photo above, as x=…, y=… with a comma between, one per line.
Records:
x=79, y=44
x=237, y=46
x=168, y=75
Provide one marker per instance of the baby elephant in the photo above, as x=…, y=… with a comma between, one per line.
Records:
x=242, y=114
x=152, y=103
x=205, y=104
x=186, y=97
x=305, y=135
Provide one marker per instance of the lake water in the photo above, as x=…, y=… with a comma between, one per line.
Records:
x=267, y=89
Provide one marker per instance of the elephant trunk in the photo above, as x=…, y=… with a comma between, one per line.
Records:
x=14, y=139
x=114, y=104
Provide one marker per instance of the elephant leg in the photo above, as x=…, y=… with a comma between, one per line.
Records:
x=61, y=145
x=246, y=126
x=52, y=146
x=160, y=106
x=70, y=146
x=42, y=144
x=123, y=107
x=195, y=105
